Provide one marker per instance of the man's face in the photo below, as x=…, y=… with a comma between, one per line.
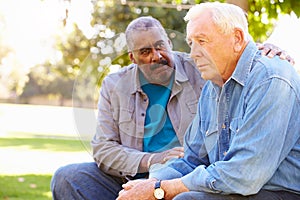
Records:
x=151, y=51
x=211, y=50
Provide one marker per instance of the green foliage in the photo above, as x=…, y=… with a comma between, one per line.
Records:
x=262, y=15
x=86, y=61
x=47, y=80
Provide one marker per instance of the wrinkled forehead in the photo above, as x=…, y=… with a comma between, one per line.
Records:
x=201, y=25
x=138, y=39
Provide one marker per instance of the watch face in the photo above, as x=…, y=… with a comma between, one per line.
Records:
x=159, y=193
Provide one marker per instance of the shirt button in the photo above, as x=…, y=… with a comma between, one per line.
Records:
x=223, y=126
x=225, y=152
x=143, y=114
x=206, y=133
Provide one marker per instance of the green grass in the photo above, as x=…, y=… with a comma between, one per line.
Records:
x=49, y=144
x=32, y=186
x=25, y=187
x=24, y=173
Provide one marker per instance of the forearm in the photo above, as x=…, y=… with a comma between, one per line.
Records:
x=116, y=159
x=173, y=187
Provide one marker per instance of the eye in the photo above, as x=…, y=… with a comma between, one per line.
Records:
x=160, y=45
x=145, y=51
x=201, y=41
x=189, y=42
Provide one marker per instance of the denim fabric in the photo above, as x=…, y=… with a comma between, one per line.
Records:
x=262, y=195
x=84, y=181
x=246, y=135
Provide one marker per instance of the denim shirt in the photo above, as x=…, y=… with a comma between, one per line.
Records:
x=118, y=142
x=246, y=134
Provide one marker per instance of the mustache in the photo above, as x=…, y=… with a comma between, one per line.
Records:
x=156, y=65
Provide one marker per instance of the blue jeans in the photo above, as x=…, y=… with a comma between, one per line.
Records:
x=84, y=181
x=261, y=195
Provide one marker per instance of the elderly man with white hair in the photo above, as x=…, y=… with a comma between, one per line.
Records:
x=244, y=142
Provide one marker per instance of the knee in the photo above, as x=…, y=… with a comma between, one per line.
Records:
x=70, y=174
x=59, y=177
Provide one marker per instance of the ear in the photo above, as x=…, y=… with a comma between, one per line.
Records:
x=131, y=57
x=239, y=39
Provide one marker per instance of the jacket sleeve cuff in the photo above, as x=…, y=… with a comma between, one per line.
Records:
x=199, y=180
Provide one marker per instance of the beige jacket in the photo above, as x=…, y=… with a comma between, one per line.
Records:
x=118, y=142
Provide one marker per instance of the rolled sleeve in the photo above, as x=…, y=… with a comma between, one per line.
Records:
x=199, y=180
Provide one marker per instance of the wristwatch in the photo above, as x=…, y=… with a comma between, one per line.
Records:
x=159, y=193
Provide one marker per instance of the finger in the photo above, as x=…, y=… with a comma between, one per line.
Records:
x=167, y=158
x=265, y=51
x=269, y=50
x=291, y=60
x=273, y=52
x=284, y=56
x=260, y=46
x=121, y=192
x=178, y=152
x=175, y=153
x=177, y=149
x=127, y=186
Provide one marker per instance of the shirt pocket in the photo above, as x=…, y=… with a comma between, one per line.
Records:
x=126, y=122
x=211, y=136
x=192, y=106
x=235, y=126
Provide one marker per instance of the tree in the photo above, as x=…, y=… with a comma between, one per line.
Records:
x=86, y=61
x=262, y=15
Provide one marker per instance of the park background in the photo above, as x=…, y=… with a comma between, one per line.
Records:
x=54, y=55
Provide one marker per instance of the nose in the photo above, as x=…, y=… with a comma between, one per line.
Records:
x=196, y=51
x=156, y=56
x=193, y=51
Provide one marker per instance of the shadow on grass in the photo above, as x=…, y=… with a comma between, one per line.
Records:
x=25, y=187
x=49, y=144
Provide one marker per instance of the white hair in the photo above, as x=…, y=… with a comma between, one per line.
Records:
x=225, y=16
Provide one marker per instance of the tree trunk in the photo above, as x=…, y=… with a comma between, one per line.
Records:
x=241, y=3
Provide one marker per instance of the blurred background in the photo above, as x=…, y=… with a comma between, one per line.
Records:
x=54, y=55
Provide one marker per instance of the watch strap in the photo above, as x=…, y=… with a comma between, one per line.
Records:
x=157, y=184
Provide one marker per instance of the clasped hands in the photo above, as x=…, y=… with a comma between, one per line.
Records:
x=139, y=189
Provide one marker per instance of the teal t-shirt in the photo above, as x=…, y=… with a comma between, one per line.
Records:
x=159, y=133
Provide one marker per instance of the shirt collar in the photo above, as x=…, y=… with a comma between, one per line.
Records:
x=244, y=64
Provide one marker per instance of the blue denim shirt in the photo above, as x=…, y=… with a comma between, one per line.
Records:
x=246, y=135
